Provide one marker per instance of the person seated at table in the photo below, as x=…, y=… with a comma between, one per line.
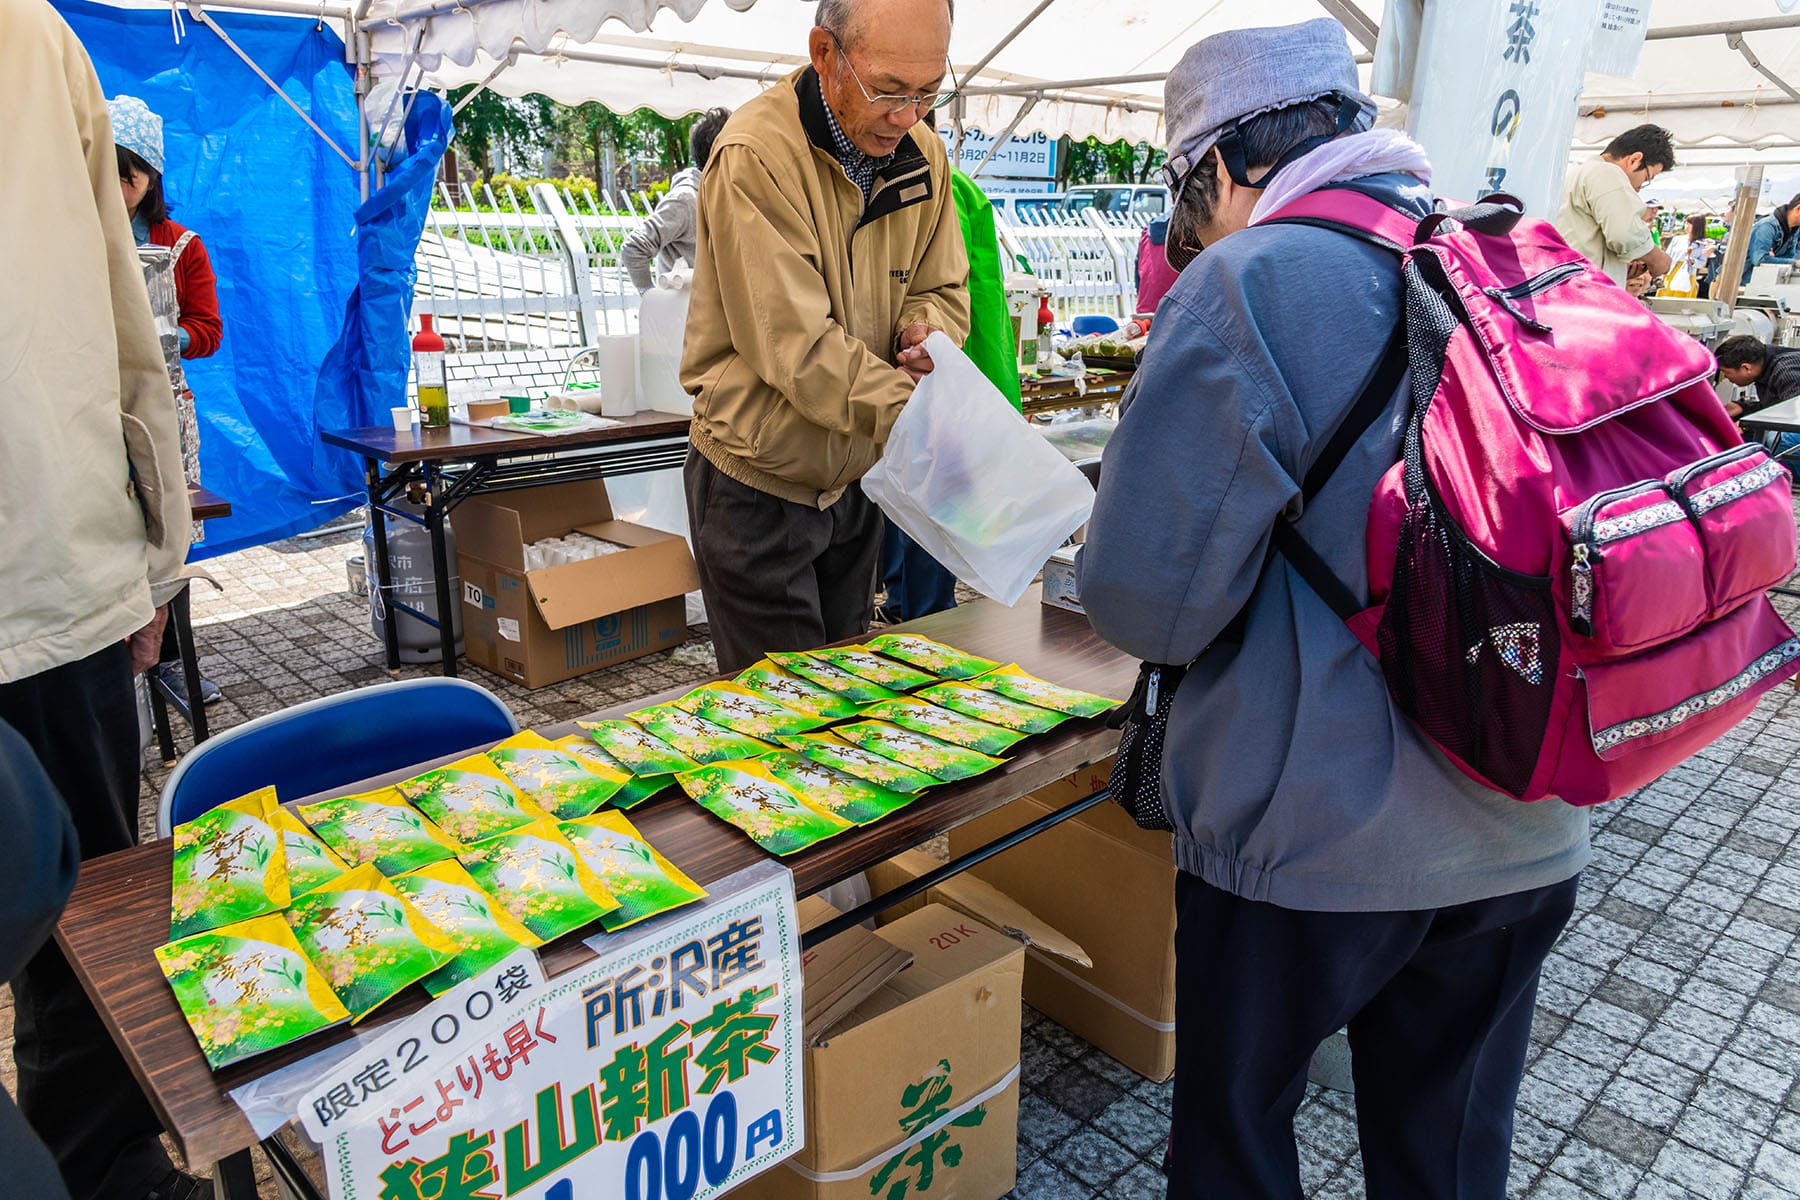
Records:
x=1774, y=371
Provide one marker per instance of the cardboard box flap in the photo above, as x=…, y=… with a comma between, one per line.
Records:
x=583, y=591
x=986, y=903
x=498, y=526
x=843, y=972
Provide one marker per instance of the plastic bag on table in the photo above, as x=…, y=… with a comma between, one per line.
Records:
x=973, y=483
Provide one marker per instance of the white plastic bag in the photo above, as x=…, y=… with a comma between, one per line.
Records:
x=973, y=483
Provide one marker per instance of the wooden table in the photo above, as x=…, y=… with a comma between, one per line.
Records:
x=206, y=505
x=1046, y=395
x=440, y=468
x=119, y=912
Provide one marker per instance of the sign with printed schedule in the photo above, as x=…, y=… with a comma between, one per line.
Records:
x=667, y=1069
x=1032, y=156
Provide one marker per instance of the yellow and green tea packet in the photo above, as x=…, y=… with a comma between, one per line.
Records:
x=538, y=877
x=828, y=748
x=864, y=663
x=696, y=737
x=992, y=707
x=230, y=865
x=639, y=877
x=1015, y=683
x=741, y=710
x=946, y=662
x=791, y=691
x=855, y=800
x=366, y=938
x=637, y=789
x=310, y=862
x=638, y=751
x=247, y=988
x=942, y=761
x=834, y=679
x=484, y=933
x=944, y=725
x=769, y=812
x=558, y=782
x=379, y=827
x=471, y=799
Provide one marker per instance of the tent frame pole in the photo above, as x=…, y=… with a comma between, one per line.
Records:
x=1024, y=111
x=200, y=14
x=1736, y=42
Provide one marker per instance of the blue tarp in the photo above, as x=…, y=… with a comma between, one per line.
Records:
x=274, y=206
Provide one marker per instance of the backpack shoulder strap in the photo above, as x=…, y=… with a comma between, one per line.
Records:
x=1348, y=211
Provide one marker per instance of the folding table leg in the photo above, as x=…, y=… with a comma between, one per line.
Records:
x=384, y=571
x=181, y=617
x=234, y=1178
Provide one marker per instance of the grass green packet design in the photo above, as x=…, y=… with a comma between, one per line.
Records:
x=484, y=933
x=832, y=678
x=247, y=988
x=640, y=879
x=769, y=812
x=828, y=748
x=855, y=800
x=558, y=782
x=637, y=788
x=696, y=737
x=992, y=707
x=379, y=827
x=539, y=879
x=743, y=711
x=1015, y=683
x=940, y=760
x=471, y=799
x=791, y=691
x=310, y=862
x=366, y=938
x=637, y=751
x=864, y=663
x=946, y=662
x=230, y=865
x=946, y=726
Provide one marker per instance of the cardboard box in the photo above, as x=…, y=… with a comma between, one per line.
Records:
x=931, y=1049
x=541, y=627
x=1109, y=885
x=1059, y=581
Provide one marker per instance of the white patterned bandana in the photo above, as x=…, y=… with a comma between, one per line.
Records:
x=137, y=129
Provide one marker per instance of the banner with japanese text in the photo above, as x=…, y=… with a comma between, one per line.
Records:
x=667, y=1069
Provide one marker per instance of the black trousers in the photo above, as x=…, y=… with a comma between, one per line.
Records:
x=778, y=575
x=74, y=1087
x=1438, y=1004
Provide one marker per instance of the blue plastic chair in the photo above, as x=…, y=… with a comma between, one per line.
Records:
x=332, y=742
x=1093, y=323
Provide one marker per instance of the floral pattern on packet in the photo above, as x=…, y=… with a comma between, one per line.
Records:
x=992, y=707
x=1016, y=683
x=378, y=827
x=946, y=662
x=366, y=938
x=230, y=865
x=643, y=882
x=940, y=760
x=792, y=691
x=562, y=784
x=538, y=877
x=828, y=748
x=484, y=933
x=471, y=799
x=835, y=679
x=864, y=663
x=696, y=737
x=856, y=800
x=637, y=789
x=637, y=750
x=310, y=862
x=247, y=988
x=741, y=710
x=769, y=812
x=922, y=717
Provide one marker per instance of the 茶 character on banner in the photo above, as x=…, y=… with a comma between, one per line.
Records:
x=739, y=1034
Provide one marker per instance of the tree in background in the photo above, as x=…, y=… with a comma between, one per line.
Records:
x=520, y=128
x=1092, y=161
x=593, y=136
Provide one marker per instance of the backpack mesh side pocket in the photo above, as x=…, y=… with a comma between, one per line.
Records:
x=1136, y=779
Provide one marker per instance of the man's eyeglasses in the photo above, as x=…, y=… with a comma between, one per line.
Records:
x=925, y=102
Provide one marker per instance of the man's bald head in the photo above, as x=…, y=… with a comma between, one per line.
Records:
x=845, y=17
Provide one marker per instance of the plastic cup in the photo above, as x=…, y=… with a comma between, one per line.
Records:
x=403, y=418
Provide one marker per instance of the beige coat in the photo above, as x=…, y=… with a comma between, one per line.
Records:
x=1603, y=217
x=93, y=510
x=800, y=292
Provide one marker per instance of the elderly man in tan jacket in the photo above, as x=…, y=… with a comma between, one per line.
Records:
x=93, y=533
x=828, y=248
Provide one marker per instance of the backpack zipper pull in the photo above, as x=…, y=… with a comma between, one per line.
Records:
x=1581, y=590
x=1151, y=691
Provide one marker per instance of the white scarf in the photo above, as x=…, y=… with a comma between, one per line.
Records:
x=1377, y=152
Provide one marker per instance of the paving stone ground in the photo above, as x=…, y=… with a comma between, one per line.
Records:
x=1666, y=1044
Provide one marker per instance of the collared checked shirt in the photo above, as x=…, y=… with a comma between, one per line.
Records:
x=858, y=166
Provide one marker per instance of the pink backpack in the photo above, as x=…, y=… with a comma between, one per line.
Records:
x=1569, y=562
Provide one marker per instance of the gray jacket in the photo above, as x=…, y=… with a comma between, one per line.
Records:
x=667, y=236
x=1290, y=776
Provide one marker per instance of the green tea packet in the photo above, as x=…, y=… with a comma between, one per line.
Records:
x=791, y=691
x=378, y=827
x=483, y=932
x=366, y=938
x=864, y=663
x=769, y=812
x=946, y=662
x=640, y=879
x=946, y=726
x=1018, y=684
x=855, y=800
x=553, y=779
x=637, y=789
x=247, y=988
x=833, y=679
x=230, y=865
x=992, y=707
x=743, y=711
x=310, y=862
x=828, y=748
x=636, y=750
x=538, y=877
x=471, y=799
x=696, y=737
x=940, y=760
